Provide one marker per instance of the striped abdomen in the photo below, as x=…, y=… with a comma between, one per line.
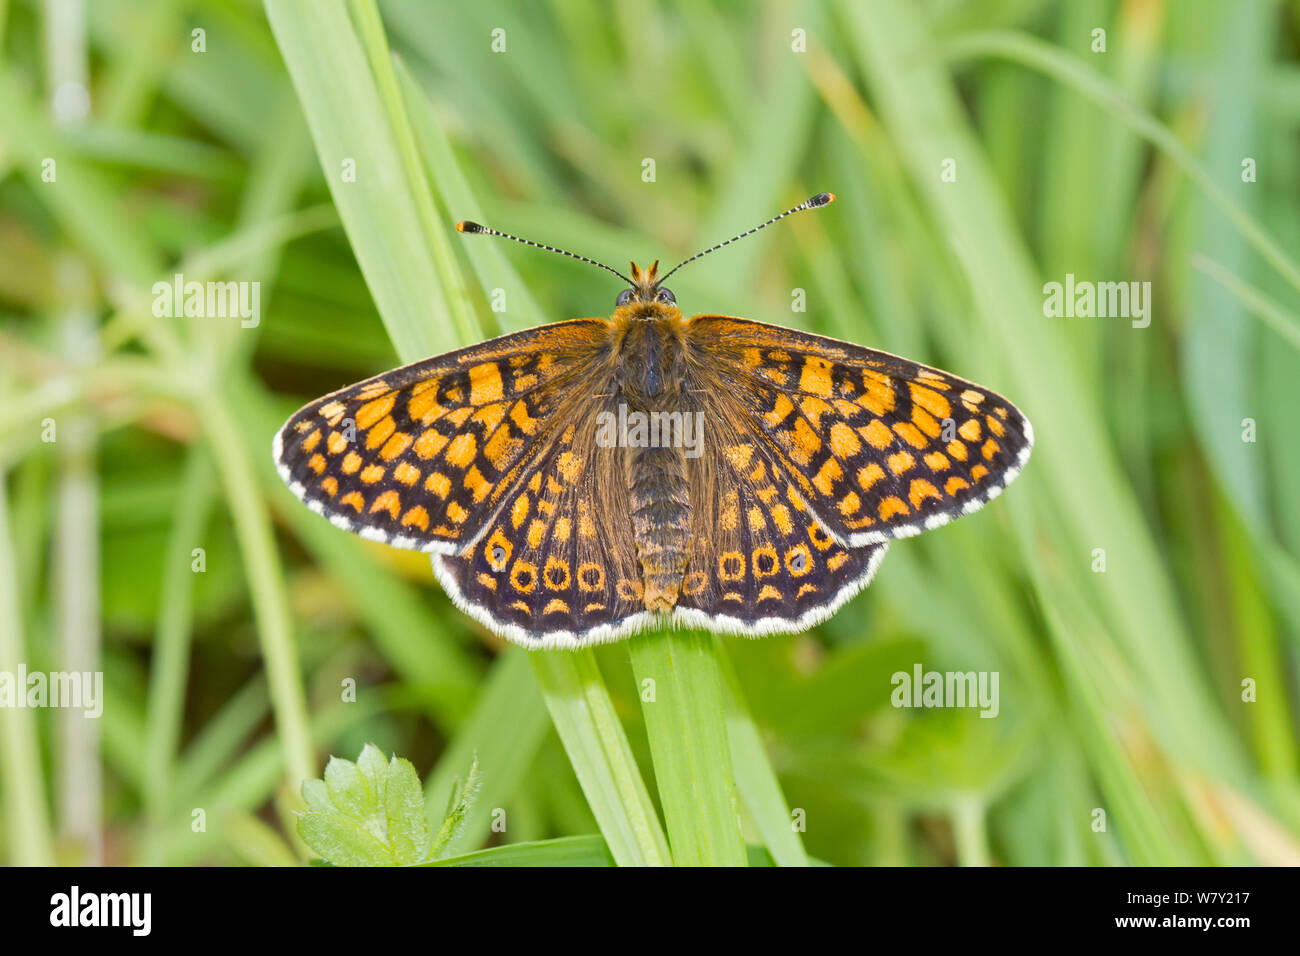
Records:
x=661, y=521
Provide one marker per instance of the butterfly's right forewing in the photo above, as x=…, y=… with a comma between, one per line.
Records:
x=423, y=456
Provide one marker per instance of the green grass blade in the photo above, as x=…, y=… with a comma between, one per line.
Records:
x=1145, y=836
x=1260, y=652
x=171, y=652
x=681, y=691
x=1281, y=320
x=1073, y=470
x=756, y=782
x=220, y=740
x=1041, y=56
x=434, y=227
x=488, y=259
x=1220, y=346
x=565, y=851
x=26, y=823
x=584, y=717
x=265, y=583
x=319, y=47
x=350, y=126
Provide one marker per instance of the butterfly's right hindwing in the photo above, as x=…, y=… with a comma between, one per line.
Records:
x=761, y=562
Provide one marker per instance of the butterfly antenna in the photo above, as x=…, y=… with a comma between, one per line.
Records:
x=821, y=199
x=474, y=228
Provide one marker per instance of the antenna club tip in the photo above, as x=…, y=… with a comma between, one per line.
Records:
x=821, y=199
x=470, y=227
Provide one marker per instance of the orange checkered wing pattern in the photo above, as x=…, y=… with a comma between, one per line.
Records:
x=422, y=457
x=761, y=561
x=877, y=447
x=557, y=566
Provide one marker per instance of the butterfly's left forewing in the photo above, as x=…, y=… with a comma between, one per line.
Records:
x=879, y=447
x=423, y=456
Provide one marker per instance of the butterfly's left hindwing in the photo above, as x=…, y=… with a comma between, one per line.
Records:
x=556, y=567
x=878, y=447
x=421, y=457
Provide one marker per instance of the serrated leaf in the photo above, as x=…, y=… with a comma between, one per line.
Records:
x=408, y=827
x=348, y=790
x=342, y=841
x=374, y=768
x=376, y=798
x=317, y=796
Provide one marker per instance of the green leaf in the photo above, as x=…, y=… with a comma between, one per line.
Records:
x=461, y=802
x=348, y=790
x=374, y=769
x=372, y=812
x=316, y=795
x=342, y=841
x=408, y=828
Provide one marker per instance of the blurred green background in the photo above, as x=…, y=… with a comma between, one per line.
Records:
x=1137, y=590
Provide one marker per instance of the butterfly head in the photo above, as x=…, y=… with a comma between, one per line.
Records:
x=645, y=287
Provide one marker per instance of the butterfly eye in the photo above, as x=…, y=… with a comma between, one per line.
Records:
x=666, y=295
x=624, y=297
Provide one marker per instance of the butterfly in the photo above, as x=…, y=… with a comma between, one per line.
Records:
x=580, y=481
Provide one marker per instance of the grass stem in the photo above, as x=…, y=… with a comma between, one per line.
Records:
x=681, y=691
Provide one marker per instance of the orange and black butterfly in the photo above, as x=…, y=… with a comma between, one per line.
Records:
x=582, y=480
